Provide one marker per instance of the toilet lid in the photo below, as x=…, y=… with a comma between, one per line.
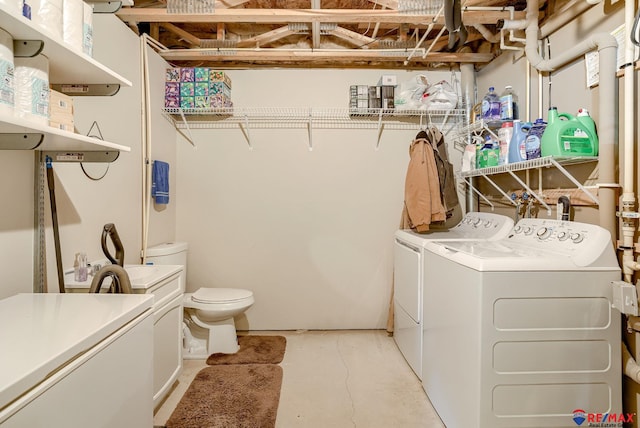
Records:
x=219, y=295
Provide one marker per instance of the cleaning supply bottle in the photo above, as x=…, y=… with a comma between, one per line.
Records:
x=491, y=106
x=517, y=147
x=567, y=135
x=508, y=104
x=505, y=133
x=532, y=142
x=80, y=267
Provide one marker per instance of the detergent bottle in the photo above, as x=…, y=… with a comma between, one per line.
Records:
x=517, y=146
x=533, y=139
x=568, y=135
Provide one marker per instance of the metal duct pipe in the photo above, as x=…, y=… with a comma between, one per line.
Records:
x=468, y=88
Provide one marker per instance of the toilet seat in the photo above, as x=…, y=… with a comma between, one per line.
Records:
x=220, y=295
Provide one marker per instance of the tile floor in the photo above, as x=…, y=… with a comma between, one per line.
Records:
x=342, y=379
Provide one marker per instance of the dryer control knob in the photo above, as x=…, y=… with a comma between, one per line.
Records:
x=562, y=236
x=577, y=237
x=487, y=223
x=528, y=230
x=517, y=229
x=543, y=232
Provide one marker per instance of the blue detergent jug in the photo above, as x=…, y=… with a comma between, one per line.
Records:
x=517, y=146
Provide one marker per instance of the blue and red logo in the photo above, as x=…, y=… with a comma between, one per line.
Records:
x=601, y=419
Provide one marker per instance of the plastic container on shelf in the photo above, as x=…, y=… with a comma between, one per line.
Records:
x=508, y=104
x=534, y=137
x=491, y=106
x=517, y=147
x=568, y=135
x=505, y=133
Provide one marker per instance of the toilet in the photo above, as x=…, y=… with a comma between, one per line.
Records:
x=209, y=325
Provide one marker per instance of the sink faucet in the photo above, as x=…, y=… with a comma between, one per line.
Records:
x=120, y=280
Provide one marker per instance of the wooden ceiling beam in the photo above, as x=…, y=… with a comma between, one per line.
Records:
x=184, y=35
x=284, y=16
x=354, y=38
x=306, y=56
x=227, y=4
x=389, y=4
x=265, y=38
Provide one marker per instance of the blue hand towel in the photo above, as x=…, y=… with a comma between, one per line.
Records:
x=160, y=183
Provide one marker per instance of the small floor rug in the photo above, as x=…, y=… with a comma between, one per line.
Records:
x=253, y=350
x=226, y=396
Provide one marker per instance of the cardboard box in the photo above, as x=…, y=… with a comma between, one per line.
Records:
x=388, y=80
x=220, y=76
x=172, y=75
x=69, y=127
x=172, y=102
x=187, y=89
x=201, y=89
x=60, y=103
x=187, y=74
x=219, y=88
x=201, y=74
x=171, y=89
x=220, y=101
x=187, y=102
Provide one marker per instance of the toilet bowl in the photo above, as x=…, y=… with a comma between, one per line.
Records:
x=208, y=325
x=213, y=311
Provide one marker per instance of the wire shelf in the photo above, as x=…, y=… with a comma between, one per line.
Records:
x=547, y=161
x=321, y=118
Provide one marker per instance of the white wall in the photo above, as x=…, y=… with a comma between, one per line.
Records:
x=310, y=232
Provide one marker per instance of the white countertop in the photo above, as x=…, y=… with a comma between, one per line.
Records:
x=142, y=277
x=41, y=332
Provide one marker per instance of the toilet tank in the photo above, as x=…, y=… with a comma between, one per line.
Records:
x=168, y=253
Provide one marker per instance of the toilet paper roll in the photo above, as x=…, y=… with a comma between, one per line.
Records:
x=32, y=89
x=87, y=41
x=73, y=23
x=47, y=14
x=7, y=72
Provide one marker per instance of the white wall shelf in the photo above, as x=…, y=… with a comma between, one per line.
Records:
x=53, y=139
x=309, y=118
x=67, y=66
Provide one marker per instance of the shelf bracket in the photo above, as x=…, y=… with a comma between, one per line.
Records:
x=531, y=192
x=502, y=192
x=90, y=156
x=188, y=135
x=105, y=6
x=27, y=48
x=380, y=129
x=478, y=193
x=96, y=89
x=20, y=141
x=310, y=129
x=574, y=181
x=245, y=130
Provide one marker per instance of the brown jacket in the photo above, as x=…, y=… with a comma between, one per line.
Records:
x=422, y=187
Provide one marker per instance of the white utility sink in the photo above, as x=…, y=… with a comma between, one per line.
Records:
x=142, y=277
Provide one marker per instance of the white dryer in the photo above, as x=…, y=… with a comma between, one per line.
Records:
x=520, y=332
x=408, y=275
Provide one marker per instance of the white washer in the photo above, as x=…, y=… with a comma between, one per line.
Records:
x=520, y=332
x=408, y=275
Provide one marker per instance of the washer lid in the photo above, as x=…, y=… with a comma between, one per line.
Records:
x=220, y=295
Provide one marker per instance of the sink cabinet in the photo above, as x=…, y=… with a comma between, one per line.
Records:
x=166, y=284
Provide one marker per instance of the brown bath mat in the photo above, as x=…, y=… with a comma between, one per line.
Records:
x=253, y=350
x=225, y=396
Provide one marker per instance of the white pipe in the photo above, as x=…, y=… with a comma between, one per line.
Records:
x=607, y=47
x=631, y=368
x=486, y=33
x=629, y=224
x=146, y=148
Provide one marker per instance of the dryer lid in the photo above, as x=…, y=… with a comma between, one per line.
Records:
x=220, y=295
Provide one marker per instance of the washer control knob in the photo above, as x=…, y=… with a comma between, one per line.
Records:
x=577, y=237
x=543, y=232
x=478, y=222
x=517, y=229
x=487, y=224
x=562, y=236
x=528, y=230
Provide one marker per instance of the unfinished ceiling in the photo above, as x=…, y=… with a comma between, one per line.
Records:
x=331, y=33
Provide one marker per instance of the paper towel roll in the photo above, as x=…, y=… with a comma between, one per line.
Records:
x=32, y=88
x=47, y=14
x=73, y=23
x=7, y=98
x=87, y=42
